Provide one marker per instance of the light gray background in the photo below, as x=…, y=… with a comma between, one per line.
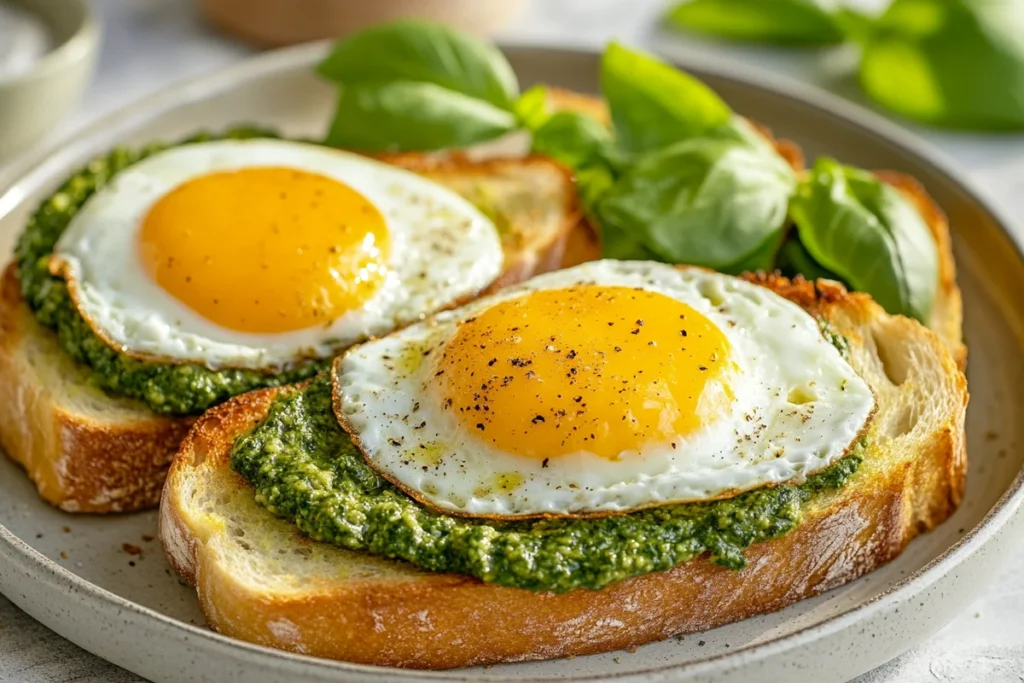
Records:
x=149, y=43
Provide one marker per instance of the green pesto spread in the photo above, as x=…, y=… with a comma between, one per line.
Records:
x=304, y=468
x=834, y=338
x=169, y=389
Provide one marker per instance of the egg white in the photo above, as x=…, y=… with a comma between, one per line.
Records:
x=798, y=407
x=442, y=250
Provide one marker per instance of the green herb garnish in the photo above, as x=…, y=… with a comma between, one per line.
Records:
x=794, y=22
x=653, y=104
x=955, y=63
x=868, y=233
x=532, y=109
x=402, y=116
x=793, y=259
x=575, y=139
x=707, y=202
x=677, y=177
x=414, y=85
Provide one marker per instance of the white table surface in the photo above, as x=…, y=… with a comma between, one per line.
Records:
x=149, y=43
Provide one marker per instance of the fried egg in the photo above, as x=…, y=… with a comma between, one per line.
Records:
x=604, y=388
x=259, y=253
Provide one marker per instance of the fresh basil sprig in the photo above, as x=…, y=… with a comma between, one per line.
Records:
x=424, y=52
x=864, y=230
x=680, y=178
x=413, y=85
x=677, y=178
x=587, y=147
x=653, y=104
x=952, y=63
x=957, y=63
x=792, y=260
x=404, y=116
x=765, y=257
x=572, y=138
x=532, y=109
x=739, y=129
x=795, y=22
x=709, y=202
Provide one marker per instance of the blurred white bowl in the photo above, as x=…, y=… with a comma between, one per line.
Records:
x=34, y=99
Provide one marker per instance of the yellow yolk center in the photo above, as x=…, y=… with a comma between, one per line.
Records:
x=266, y=249
x=587, y=368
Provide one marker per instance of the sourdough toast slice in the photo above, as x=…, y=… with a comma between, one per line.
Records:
x=90, y=452
x=259, y=580
x=85, y=451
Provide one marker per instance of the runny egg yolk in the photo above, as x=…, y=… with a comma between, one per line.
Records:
x=266, y=249
x=588, y=368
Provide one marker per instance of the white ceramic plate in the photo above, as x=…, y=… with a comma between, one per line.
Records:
x=75, y=575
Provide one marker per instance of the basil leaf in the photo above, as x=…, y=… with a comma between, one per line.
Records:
x=585, y=145
x=793, y=259
x=764, y=256
x=799, y=22
x=594, y=182
x=654, y=105
x=532, y=109
x=405, y=116
x=957, y=63
x=411, y=50
x=857, y=26
x=705, y=202
x=739, y=129
x=571, y=138
x=869, y=234
x=618, y=242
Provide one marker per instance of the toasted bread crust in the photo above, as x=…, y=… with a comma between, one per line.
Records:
x=79, y=462
x=440, y=621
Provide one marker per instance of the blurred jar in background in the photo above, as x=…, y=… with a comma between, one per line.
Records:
x=271, y=23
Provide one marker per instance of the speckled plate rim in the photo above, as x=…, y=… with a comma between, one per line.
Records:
x=1008, y=509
